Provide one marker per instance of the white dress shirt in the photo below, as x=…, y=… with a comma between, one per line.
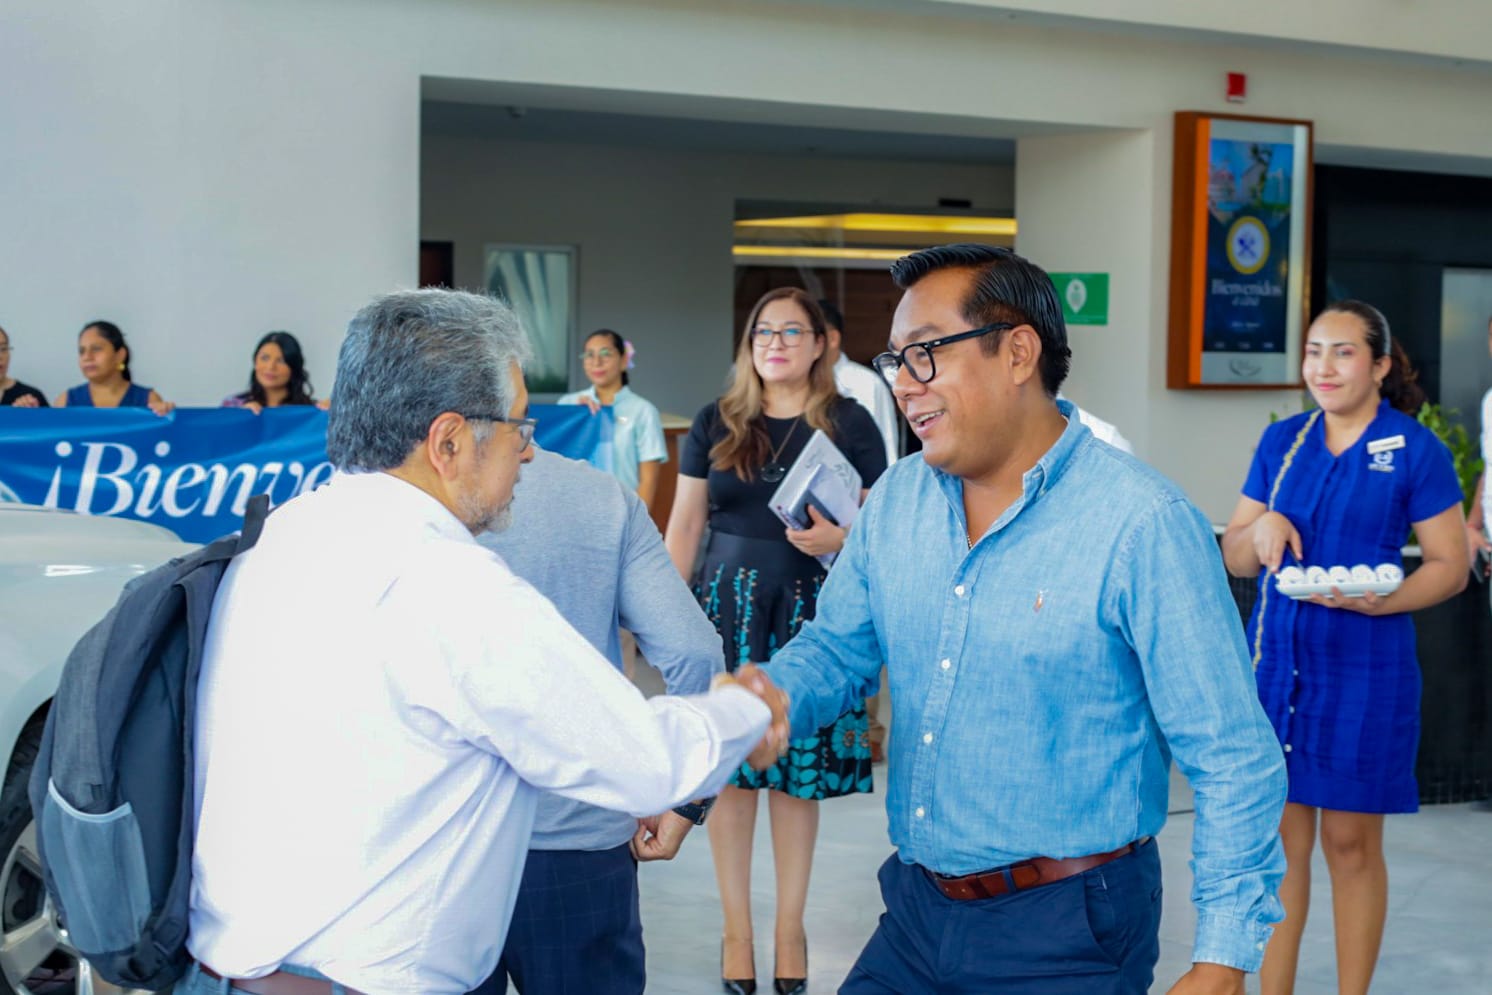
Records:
x=1103, y=431
x=381, y=702
x=869, y=388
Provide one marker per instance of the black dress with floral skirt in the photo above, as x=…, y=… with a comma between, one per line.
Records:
x=759, y=590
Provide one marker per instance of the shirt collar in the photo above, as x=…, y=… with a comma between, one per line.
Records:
x=1054, y=462
x=404, y=502
x=1035, y=481
x=1049, y=468
x=621, y=392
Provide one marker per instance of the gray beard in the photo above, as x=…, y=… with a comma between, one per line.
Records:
x=479, y=519
x=501, y=521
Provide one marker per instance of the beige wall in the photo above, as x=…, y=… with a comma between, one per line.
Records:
x=202, y=171
x=653, y=229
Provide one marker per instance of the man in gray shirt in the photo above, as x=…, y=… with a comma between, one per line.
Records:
x=587, y=544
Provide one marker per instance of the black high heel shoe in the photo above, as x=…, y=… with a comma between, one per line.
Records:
x=736, y=986
x=793, y=986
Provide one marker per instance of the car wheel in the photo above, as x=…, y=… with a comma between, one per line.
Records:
x=36, y=957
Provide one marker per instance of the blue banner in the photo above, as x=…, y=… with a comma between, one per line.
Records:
x=194, y=470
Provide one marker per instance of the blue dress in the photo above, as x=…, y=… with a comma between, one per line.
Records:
x=135, y=396
x=1343, y=689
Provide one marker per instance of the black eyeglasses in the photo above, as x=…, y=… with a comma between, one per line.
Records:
x=918, y=357
x=525, y=426
x=792, y=336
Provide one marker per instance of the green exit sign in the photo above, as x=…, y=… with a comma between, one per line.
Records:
x=1085, y=297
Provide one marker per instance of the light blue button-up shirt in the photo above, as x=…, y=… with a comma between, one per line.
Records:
x=639, y=432
x=1042, y=682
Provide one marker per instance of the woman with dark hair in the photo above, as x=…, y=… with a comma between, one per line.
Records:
x=104, y=359
x=13, y=393
x=638, y=448
x=759, y=583
x=1343, y=485
x=279, y=376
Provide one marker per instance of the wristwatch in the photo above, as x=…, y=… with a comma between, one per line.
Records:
x=695, y=811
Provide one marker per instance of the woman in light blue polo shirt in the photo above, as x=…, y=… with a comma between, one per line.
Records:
x=638, y=449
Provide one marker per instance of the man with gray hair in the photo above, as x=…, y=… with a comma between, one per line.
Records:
x=382, y=700
x=586, y=543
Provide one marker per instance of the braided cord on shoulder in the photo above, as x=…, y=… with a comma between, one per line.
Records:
x=1274, y=492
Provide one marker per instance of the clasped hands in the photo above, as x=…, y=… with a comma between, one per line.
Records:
x=774, y=743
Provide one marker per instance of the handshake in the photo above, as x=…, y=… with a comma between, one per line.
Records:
x=774, y=744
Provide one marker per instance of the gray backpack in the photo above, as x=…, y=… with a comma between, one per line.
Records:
x=112, y=787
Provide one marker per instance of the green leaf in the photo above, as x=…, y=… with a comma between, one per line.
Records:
x=1446, y=425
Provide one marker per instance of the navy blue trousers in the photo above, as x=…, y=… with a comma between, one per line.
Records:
x=576, y=927
x=1093, y=934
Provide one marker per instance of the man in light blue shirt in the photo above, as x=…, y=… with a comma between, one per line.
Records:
x=587, y=544
x=1058, y=629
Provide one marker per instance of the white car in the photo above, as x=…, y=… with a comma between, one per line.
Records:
x=59, y=574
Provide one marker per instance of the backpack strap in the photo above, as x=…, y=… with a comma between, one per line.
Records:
x=253, y=523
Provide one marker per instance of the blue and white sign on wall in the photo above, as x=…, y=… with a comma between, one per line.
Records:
x=194, y=470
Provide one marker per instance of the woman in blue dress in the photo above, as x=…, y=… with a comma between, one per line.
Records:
x=1343, y=485
x=104, y=360
x=638, y=448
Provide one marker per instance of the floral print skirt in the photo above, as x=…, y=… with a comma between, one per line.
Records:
x=759, y=592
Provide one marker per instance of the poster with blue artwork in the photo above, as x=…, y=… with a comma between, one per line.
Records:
x=1249, y=220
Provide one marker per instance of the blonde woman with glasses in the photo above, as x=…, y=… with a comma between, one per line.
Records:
x=759, y=583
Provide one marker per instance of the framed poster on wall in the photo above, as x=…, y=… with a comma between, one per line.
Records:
x=538, y=282
x=1240, y=251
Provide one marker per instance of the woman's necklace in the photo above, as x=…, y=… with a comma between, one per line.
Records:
x=775, y=471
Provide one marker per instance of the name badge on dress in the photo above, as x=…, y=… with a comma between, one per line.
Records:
x=1385, y=444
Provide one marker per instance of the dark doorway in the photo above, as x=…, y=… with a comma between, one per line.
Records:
x=1388, y=237
x=437, y=264
x=867, y=297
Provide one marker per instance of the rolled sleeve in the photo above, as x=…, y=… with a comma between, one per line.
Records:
x=1199, y=681
x=652, y=447
x=1235, y=943
x=834, y=661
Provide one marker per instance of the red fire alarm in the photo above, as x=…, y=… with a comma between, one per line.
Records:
x=1238, y=88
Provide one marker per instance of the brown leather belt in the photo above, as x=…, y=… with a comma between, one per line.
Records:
x=279, y=983
x=1026, y=874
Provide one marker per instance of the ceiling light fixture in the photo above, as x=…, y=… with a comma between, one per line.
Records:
x=929, y=223
x=810, y=252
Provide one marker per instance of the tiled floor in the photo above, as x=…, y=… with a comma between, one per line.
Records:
x=1438, y=940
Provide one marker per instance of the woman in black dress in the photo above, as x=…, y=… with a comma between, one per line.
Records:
x=759, y=583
